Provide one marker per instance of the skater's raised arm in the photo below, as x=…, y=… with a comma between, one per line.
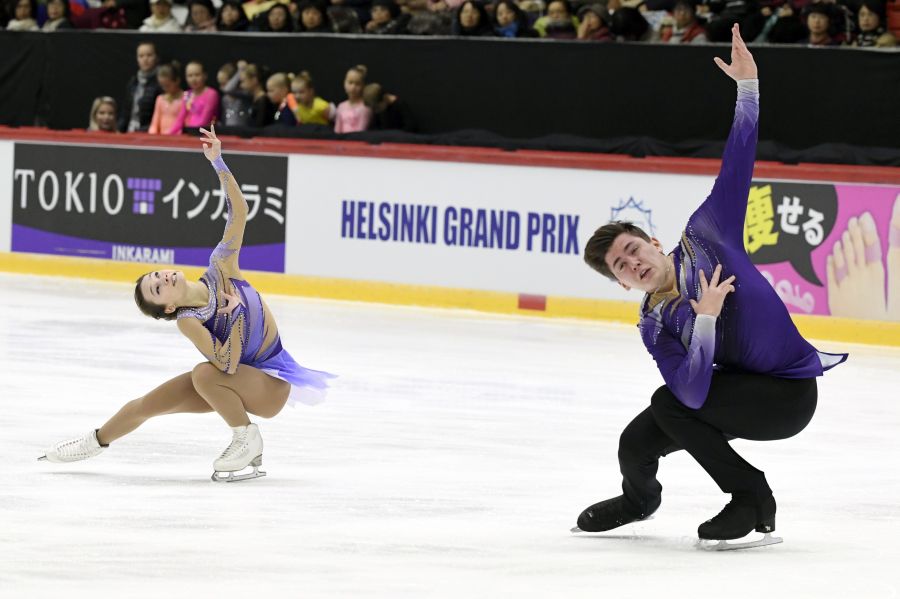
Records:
x=226, y=253
x=725, y=208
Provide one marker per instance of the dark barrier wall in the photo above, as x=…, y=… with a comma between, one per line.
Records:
x=517, y=89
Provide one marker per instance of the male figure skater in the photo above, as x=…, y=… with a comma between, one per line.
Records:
x=734, y=364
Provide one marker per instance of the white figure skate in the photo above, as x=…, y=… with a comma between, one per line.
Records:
x=245, y=450
x=73, y=450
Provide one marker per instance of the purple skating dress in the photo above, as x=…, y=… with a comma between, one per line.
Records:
x=249, y=320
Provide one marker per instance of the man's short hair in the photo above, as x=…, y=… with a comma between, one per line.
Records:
x=602, y=240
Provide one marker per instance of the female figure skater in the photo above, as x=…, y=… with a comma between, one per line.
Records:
x=247, y=369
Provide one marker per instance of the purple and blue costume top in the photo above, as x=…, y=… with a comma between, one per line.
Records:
x=754, y=332
x=249, y=322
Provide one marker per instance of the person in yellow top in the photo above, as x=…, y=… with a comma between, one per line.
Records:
x=311, y=109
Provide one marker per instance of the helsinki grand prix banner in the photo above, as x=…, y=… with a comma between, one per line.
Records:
x=523, y=229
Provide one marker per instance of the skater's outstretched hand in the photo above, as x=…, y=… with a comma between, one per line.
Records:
x=212, y=145
x=712, y=295
x=742, y=65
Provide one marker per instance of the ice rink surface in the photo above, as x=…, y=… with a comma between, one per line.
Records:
x=450, y=460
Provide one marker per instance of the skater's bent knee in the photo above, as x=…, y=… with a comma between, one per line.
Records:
x=663, y=398
x=204, y=374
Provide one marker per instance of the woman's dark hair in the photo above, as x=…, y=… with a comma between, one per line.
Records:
x=875, y=6
x=484, y=26
x=11, y=8
x=390, y=5
x=288, y=20
x=521, y=17
x=207, y=3
x=629, y=24
x=241, y=24
x=152, y=310
x=598, y=245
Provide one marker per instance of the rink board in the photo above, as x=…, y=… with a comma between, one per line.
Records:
x=428, y=227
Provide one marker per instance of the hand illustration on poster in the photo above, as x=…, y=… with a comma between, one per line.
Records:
x=828, y=249
x=856, y=270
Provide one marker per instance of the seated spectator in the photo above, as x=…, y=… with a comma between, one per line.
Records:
x=722, y=14
x=388, y=111
x=686, y=28
x=278, y=88
x=168, y=103
x=386, y=18
x=594, y=25
x=344, y=19
x=160, y=19
x=311, y=109
x=24, y=13
x=103, y=115
x=200, y=104
x=313, y=17
x=232, y=17
x=818, y=24
x=262, y=112
x=444, y=5
x=870, y=26
x=276, y=20
x=472, y=21
x=511, y=21
x=133, y=11
x=360, y=7
x=57, y=16
x=141, y=92
x=628, y=25
x=201, y=17
x=352, y=114
x=429, y=22
x=559, y=23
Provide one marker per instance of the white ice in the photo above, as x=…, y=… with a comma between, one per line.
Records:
x=450, y=460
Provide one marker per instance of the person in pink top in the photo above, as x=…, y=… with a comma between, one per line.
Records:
x=352, y=114
x=168, y=103
x=200, y=106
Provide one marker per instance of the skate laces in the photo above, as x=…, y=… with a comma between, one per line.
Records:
x=72, y=448
x=237, y=446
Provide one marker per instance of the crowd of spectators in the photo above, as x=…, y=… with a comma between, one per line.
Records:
x=163, y=99
x=813, y=22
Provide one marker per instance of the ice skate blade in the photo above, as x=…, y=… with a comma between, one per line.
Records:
x=231, y=477
x=713, y=545
x=43, y=458
x=575, y=530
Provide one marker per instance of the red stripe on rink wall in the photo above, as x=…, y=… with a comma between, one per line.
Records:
x=532, y=302
x=832, y=173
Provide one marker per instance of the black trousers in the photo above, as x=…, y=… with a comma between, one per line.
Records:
x=739, y=405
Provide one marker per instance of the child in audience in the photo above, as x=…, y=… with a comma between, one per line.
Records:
x=103, y=115
x=352, y=114
x=200, y=107
x=278, y=88
x=311, y=109
x=168, y=103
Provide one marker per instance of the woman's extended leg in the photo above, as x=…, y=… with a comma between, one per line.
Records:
x=175, y=396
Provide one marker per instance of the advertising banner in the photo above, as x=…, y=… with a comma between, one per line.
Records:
x=523, y=229
x=6, y=171
x=142, y=205
x=472, y=226
x=826, y=248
